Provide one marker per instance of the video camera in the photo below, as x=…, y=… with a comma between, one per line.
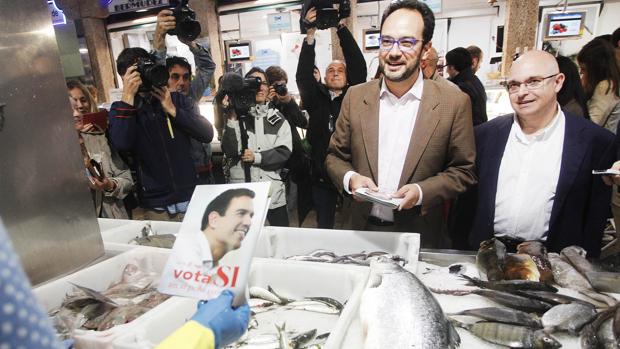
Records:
x=326, y=15
x=241, y=91
x=187, y=27
x=152, y=74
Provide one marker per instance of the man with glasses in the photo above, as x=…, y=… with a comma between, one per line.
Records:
x=403, y=136
x=535, y=166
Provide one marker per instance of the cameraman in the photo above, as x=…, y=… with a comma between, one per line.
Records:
x=269, y=144
x=181, y=81
x=156, y=126
x=323, y=104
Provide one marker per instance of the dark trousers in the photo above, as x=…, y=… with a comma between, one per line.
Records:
x=278, y=217
x=324, y=199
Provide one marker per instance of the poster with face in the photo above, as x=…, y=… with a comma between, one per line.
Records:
x=215, y=244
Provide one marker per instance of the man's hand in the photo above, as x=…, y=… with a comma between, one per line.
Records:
x=410, y=195
x=165, y=22
x=310, y=19
x=163, y=94
x=273, y=96
x=131, y=84
x=358, y=181
x=248, y=156
x=105, y=185
x=611, y=180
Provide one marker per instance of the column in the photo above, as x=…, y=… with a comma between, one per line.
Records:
x=100, y=56
x=207, y=15
x=519, y=30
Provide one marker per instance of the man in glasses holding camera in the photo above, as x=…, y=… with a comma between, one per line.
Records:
x=322, y=101
x=156, y=126
x=403, y=136
x=535, y=166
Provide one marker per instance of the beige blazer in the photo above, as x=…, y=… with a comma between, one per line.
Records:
x=440, y=157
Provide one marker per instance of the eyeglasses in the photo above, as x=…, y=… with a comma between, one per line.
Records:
x=386, y=43
x=530, y=84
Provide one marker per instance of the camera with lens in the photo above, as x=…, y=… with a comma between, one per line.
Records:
x=240, y=91
x=187, y=27
x=280, y=88
x=326, y=15
x=152, y=74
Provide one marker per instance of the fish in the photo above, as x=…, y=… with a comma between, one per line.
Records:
x=552, y=298
x=330, y=301
x=283, y=300
x=520, y=267
x=98, y=296
x=490, y=259
x=503, y=298
x=511, y=285
x=302, y=339
x=504, y=315
x=588, y=336
x=161, y=241
x=605, y=336
x=604, y=281
x=566, y=276
x=512, y=336
x=538, y=252
x=121, y=315
x=576, y=256
x=314, y=306
x=259, y=292
x=468, y=269
x=398, y=311
x=359, y=258
x=568, y=317
x=283, y=341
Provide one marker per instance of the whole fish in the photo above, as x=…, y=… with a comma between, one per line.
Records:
x=588, y=336
x=504, y=315
x=576, y=256
x=330, y=301
x=512, y=336
x=606, y=337
x=566, y=276
x=552, y=298
x=490, y=259
x=604, y=281
x=283, y=300
x=520, y=267
x=511, y=285
x=259, y=292
x=398, y=311
x=538, y=252
x=283, y=341
x=568, y=317
x=302, y=339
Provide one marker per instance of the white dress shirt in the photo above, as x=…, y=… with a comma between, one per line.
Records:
x=397, y=118
x=527, y=180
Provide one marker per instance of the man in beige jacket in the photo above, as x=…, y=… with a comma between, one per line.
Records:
x=402, y=135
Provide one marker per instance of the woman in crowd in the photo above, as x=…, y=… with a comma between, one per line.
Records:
x=571, y=97
x=110, y=187
x=600, y=79
x=269, y=146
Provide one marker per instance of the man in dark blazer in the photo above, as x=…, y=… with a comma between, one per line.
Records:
x=403, y=135
x=535, y=167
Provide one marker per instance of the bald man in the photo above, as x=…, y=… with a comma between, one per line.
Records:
x=428, y=64
x=535, y=166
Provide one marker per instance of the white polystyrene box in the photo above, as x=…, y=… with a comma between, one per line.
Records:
x=281, y=242
x=99, y=277
x=291, y=279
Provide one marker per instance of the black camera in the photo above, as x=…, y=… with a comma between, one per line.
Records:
x=187, y=27
x=326, y=15
x=280, y=88
x=152, y=74
x=241, y=92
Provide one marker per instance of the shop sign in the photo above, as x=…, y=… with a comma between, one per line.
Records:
x=435, y=5
x=279, y=22
x=116, y=6
x=58, y=17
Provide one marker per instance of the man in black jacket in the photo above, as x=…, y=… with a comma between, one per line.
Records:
x=322, y=101
x=458, y=63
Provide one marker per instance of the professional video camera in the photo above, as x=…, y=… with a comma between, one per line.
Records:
x=326, y=15
x=187, y=27
x=241, y=92
x=152, y=74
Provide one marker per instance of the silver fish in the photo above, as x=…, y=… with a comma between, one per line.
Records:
x=398, y=311
x=504, y=315
x=606, y=337
x=588, y=337
x=512, y=336
x=568, y=317
x=259, y=292
x=302, y=339
x=283, y=341
x=283, y=300
x=576, y=256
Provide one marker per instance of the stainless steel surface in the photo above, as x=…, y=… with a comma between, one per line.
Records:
x=444, y=258
x=44, y=199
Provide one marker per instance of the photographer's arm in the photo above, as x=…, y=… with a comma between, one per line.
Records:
x=307, y=84
x=353, y=56
x=165, y=22
x=123, y=114
x=275, y=158
x=188, y=119
x=293, y=114
x=204, y=70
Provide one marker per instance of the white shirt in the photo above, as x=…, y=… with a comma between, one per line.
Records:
x=397, y=118
x=527, y=180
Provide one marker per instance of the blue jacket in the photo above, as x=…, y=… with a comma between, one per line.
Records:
x=165, y=170
x=581, y=205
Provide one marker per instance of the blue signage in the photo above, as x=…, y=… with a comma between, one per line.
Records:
x=58, y=17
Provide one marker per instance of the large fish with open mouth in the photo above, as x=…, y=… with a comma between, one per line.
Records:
x=398, y=311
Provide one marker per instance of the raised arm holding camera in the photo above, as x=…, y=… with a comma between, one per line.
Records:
x=323, y=101
x=180, y=71
x=156, y=125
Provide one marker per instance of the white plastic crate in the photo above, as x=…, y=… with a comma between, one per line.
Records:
x=282, y=242
x=291, y=279
x=119, y=237
x=109, y=223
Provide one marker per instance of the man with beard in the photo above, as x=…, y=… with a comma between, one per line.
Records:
x=403, y=136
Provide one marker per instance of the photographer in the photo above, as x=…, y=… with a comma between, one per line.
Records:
x=323, y=104
x=269, y=142
x=156, y=126
x=181, y=81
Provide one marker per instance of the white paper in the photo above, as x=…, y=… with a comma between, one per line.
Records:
x=378, y=197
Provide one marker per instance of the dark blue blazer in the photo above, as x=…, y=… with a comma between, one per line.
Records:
x=581, y=206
